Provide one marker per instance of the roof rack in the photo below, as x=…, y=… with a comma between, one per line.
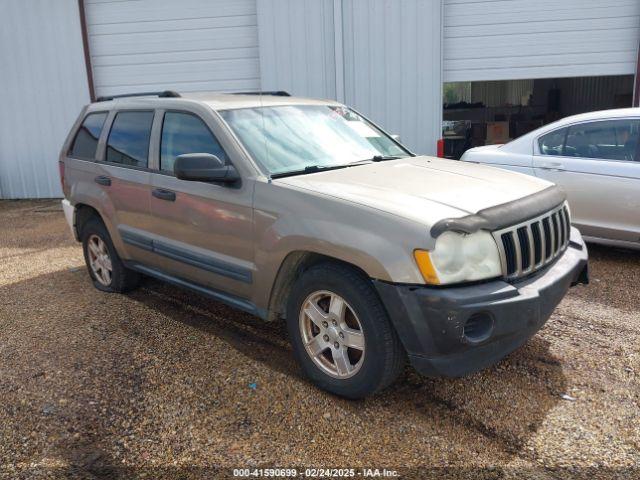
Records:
x=276, y=93
x=164, y=94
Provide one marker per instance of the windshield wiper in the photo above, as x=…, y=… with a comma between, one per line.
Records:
x=375, y=158
x=309, y=169
x=324, y=168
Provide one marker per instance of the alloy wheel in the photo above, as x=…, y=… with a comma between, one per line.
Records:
x=332, y=334
x=99, y=260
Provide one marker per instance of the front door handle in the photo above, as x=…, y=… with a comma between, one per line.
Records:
x=162, y=194
x=552, y=166
x=102, y=180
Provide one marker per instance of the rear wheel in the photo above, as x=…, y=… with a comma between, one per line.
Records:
x=106, y=269
x=340, y=332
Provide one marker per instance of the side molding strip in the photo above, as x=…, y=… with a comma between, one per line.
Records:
x=136, y=240
x=230, y=300
x=185, y=256
x=203, y=262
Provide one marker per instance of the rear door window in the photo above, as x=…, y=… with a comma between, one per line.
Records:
x=128, y=142
x=86, y=142
x=186, y=133
x=606, y=140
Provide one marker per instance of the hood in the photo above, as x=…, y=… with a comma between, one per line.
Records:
x=425, y=189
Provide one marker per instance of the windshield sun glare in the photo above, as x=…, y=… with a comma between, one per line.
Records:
x=294, y=137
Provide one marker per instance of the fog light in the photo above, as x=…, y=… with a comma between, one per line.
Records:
x=478, y=327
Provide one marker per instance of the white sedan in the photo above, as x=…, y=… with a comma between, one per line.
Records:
x=595, y=158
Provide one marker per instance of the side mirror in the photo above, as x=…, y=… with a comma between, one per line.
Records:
x=396, y=137
x=204, y=167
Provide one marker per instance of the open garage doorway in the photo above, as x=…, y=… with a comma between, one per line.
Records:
x=494, y=112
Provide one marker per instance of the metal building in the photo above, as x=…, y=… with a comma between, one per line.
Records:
x=387, y=58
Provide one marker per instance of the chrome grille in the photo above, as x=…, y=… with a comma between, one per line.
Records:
x=530, y=245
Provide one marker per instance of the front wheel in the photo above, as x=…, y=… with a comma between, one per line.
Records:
x=341, y=333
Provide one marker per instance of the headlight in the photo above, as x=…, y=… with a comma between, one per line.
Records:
x=460, y=258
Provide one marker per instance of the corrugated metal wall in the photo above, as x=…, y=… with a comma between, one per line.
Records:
x=297, y=46
x=44, y=85
x=380, y=56
x=392, y=67
x=186, y=45
x=519, y=39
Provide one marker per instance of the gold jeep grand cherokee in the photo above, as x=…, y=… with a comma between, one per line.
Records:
x=304, y=210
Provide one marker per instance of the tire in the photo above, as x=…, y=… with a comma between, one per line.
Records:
x=369, y=370
x=120, y=279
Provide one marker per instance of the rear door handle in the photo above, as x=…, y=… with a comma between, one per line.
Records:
x=102, y=180
x=164, y=194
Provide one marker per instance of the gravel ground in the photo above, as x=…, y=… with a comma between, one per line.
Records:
x=161, y=383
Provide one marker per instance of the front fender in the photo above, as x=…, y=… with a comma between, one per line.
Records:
x=288, y=220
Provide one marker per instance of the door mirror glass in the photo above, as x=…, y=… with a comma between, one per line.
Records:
x=204, y=167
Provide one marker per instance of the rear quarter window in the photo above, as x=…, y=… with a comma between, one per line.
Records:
x=85, y=144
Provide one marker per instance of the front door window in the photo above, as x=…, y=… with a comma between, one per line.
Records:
x=186, y=133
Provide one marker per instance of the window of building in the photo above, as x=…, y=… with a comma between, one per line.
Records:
x=186, y=133
x=86, y=142
x=128, y=141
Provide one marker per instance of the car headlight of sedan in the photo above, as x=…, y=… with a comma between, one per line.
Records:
x=459, y=257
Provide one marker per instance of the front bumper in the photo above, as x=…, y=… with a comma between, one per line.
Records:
x=454, y=331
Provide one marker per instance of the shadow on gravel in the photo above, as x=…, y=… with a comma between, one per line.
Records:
x=612, y=271
x=266, y=342
x=506, y=404
x=60, y=394
x=613, y=254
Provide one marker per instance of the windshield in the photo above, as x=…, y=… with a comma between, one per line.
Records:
x=293, y=137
